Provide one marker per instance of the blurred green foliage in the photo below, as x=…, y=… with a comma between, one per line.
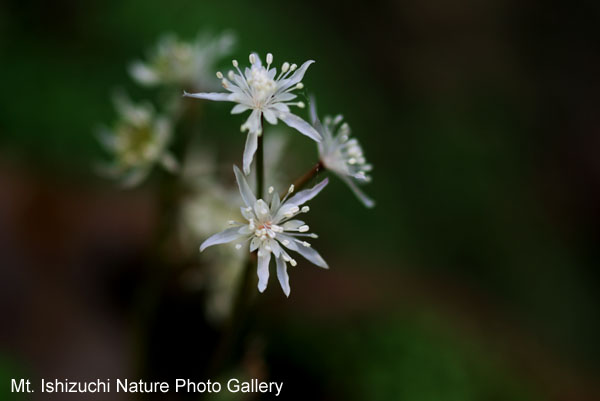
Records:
x=457, y=171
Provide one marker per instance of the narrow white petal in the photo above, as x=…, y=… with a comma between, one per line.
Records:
x=275, y=201
x=254, y=244
x=307, y=252
x=107, y=138
x=257, y=61
x=270, y=116
x=368, y=202
x=296, y=76
x=299, y=74
x=143, y=74
x=261, y=209
x=249, y=150
x=316, y=123
x=248, y=214
x=280, y=107
x=304, y=196
x=239, y=108
x=302, y=126
x=275, y=247
x=262, y=269
x=169, y=162
x=293, y=224
x=220, y=97
x=312, y=110
x=245, y=191
x=134, y=177
x=282, y=275
x=285, y=97
x=253, y=123
x=227, y=235
x=245, y=230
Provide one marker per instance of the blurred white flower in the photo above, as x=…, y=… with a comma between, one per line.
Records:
x=138, y=140
x=174, y=61
x=202, y=213
x=270, y=228
x=258, y=89
x=342, y=155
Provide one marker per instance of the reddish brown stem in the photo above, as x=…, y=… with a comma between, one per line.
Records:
x=305, y=179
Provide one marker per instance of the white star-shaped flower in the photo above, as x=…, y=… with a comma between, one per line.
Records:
x=267, y=94
x=342, y=155
x=271, y=229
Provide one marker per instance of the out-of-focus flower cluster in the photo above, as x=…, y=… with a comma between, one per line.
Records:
x=138, y=140
x=182, y=63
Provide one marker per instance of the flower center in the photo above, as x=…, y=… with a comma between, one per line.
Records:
x=261, y=85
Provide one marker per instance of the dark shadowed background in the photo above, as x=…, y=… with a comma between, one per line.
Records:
x=474, y=278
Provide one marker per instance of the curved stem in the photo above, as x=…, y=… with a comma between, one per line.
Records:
x=305, y=179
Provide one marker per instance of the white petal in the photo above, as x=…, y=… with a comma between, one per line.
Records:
x=275, y=247
x=316, y=123
x=245, y=230
x=302, y=126
x=249, y=150
x=169, y=162
x=248, y=214
x=284, y=97
x=254, y=244
x=107, y=138
x=134, y=177
x=275, y=201
x=228, y=235
x=220, y=97
x=368, y=202
x=262, y=270
x=307, y=252
x=245, y=191
x=293, y=224
x=283, y=277
x=280, y=107
x=304, y=196
x=261, y=209
x=312, y=110
x=296, y=77
x=270, y=116
x=143, y=74
x=239, y=108
x=257, y=61
x=299, y=74
x=253, y=123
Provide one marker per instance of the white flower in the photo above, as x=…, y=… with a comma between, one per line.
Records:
x=271, y=228
x=138, y=141
x=342, y=155
x=258, y=89
x=174, y=61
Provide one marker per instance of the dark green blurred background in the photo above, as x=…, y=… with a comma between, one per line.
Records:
x=474, y=278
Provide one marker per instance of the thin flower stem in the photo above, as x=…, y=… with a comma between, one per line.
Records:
x=305, y=179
